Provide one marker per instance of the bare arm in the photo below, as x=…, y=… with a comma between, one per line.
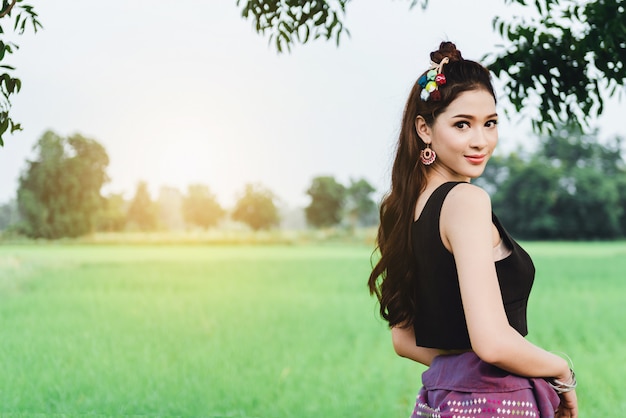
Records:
x=403, y=339
x=467, y=229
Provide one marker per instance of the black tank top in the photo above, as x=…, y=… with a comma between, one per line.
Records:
x=439, y=320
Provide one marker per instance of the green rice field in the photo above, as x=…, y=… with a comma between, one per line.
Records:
x=260, y=330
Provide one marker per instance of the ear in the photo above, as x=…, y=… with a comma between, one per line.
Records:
x=423, y=129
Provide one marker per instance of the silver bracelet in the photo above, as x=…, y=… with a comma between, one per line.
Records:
x=562, y=387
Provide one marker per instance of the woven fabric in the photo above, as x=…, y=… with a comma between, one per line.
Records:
x=464, y=386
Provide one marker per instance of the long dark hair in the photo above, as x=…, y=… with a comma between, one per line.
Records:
x=392, y=276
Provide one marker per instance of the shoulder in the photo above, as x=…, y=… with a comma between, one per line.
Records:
x=466, y=220
x=466, y=208
x=466, y=197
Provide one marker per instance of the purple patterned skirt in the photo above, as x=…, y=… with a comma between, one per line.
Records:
x=464, y=386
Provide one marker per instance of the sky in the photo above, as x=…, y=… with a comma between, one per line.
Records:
x=188, y=92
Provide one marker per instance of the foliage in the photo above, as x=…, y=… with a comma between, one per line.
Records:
x=59, y=192
x=112, y=217
x=9, y=214
x=568, y=147
x=569, y=59
x=257, y=208
x=200, y=206
x=143, y=212
x=299, y=21
x=525, y=202
x=170, y=204
x=21, y=15
x=588, y=206
x=572, y=57
x=572, y=187
x=289, y=21
x=620, y=182
x=360, y=208
x=327, y=201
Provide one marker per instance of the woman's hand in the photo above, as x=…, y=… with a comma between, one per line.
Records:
x=568, y=408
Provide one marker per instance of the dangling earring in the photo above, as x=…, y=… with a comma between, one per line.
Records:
x=427, y=155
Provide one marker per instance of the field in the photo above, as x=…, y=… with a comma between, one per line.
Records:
x=259, y=331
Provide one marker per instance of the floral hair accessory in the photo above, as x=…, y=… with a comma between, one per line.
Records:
x=431, y=81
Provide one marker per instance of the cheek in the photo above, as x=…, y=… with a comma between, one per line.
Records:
x=448, y=139
x=492, y=138
x=495, y=140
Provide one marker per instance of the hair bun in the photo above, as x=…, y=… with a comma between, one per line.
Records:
x=446, y=49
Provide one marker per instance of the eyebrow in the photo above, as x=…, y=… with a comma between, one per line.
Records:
x=493, y=115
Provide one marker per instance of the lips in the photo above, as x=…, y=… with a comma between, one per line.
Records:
x=476, y=159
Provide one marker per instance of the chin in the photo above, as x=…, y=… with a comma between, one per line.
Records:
x=476, y=174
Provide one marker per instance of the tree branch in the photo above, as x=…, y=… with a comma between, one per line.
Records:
x=8, y=9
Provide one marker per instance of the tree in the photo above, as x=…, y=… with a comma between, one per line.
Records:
x=9, y=215
x=571, y=57
x=526, y=200
x=112, y=217
x=327, y=201
x=588, y=206
x=170, y=203
x=621, y=192
x=361, y=209
x=569, y=147
x=59, y=192
x=571, y=187
x=256, y=207
x=142, y=212
x=23, y=15
x=200, y=207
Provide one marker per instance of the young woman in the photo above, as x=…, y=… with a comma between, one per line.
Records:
x=451, y=281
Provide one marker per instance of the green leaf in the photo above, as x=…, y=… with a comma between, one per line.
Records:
x=15, y=127
x=4, y=125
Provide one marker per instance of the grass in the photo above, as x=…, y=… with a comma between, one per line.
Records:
x=258, y=331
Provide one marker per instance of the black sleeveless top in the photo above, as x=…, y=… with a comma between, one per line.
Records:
x=439, y=318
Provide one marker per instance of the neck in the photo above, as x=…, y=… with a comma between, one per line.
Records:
x=436, y=176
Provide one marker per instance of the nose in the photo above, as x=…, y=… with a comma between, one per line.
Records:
x=480, y=139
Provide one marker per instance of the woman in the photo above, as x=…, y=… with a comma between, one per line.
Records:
x=451, y=282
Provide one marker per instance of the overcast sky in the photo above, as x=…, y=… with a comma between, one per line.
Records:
x=187, y=92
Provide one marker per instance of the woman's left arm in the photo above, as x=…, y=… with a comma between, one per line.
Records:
x=467, y=225
x=403, y=339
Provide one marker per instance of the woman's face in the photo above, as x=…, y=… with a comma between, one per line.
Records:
x=463, y=136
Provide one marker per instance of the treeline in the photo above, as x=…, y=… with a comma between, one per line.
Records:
x=570, y=186
x=59, y=195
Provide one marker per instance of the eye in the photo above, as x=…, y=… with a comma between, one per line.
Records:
x=492, y=123
x=462, y=125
